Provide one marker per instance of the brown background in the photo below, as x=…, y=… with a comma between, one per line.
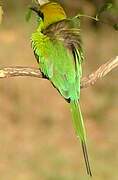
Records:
x=37, y=140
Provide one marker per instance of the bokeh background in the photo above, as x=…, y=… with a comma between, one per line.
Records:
x=37, y=140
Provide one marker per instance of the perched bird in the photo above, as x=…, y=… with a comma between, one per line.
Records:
x=57, y=47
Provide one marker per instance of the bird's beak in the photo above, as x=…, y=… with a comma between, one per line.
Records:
x=42, y=2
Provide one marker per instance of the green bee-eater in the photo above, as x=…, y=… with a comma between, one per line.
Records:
x=57, y=47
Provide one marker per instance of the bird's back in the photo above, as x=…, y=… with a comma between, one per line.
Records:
x=58, y=50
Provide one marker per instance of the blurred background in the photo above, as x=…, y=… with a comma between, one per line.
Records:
x=37, y=140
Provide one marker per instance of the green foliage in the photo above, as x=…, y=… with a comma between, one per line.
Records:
x=105, y=7
x=29, y=11
x=28, y=14
x=115, y=27
x=109, y=8
x=99, y=18
x=1, y=14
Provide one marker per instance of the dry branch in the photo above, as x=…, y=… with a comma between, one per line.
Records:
x=102, y=71
x=7, y=72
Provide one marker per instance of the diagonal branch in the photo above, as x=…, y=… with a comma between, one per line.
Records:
x=7, y=72
x=102, y=71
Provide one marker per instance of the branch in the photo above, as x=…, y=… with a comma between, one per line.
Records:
x=102, y=71
x=7, y=72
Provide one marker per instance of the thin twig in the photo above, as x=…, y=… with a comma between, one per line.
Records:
x=7, y=72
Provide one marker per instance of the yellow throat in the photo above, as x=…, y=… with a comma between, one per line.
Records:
x=53, y=12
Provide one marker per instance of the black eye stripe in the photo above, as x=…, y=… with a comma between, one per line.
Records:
x=36, y=10
x=40, y=14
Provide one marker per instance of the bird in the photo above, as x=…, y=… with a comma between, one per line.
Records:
x=57, y=47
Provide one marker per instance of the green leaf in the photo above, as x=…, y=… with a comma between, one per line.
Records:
x=115, y=26
x=105, y=7
x=28, y=14
x=1, y=14
x=29, y=11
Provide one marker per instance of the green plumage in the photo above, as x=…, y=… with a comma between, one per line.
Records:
x=57, y=64
x=59, y=54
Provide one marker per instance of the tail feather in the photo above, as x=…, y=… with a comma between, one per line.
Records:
x=80, y=131
x=84, y=149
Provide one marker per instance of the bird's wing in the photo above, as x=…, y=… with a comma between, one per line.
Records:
x=68, y=32
x=59, y=52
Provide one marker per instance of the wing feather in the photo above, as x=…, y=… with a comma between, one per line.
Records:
x=59, y=53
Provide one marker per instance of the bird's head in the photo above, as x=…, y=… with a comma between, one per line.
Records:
x=49, y=12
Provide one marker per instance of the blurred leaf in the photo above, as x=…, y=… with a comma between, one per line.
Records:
x=29, y=11
x=1, y=14
x=115, y=27
x=112, y=10
x=28, y=14
x=105, y=7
